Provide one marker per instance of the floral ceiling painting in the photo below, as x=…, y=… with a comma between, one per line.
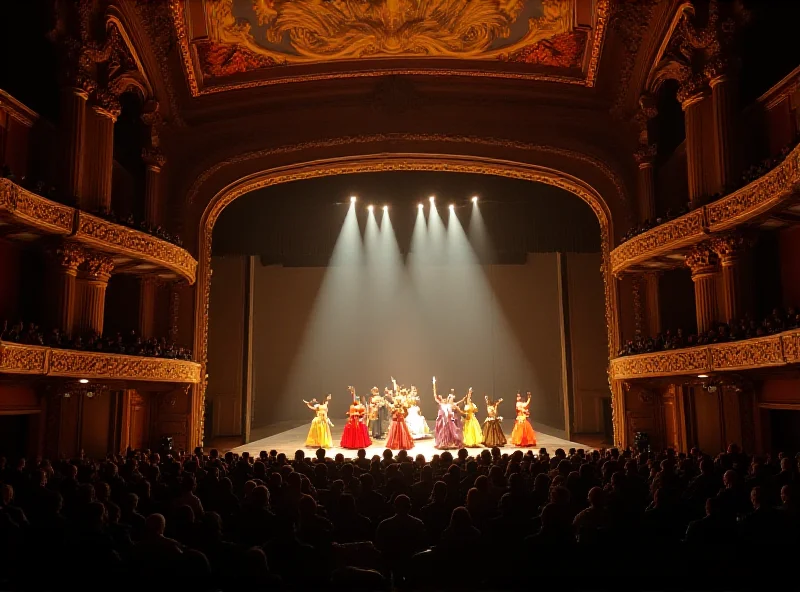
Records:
x=260, y=35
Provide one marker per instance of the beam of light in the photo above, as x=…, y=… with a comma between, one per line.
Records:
x=474, y=199
x=370, y=208
x=478, y=236
x=314, y=360
x=476, y=293
x=352, y=199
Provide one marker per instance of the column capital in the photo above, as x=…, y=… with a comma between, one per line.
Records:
x=106, y=104
x=729, y=247
x=645, y=155
x=153, y=158
x=97, y=267
x=702, y=260
x=68, y=256
x=692, y=90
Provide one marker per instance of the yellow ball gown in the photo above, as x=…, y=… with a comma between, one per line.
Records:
x=473, y=435
x=319, y=435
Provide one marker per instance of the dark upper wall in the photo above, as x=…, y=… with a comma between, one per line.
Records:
x=298, y=223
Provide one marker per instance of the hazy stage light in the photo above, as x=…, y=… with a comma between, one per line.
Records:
x=452, y=207
x=369, y=208
x=474, y=199
x=385, y=208
x=419, y=206
x=352, y=199
x=431, y=198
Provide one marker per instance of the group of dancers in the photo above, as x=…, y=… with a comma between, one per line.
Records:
x=455, y=428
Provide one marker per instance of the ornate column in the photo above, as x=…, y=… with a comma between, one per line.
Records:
x=703, y=263
x=154, y=161
x=730, y=248
x=66, y=259
x=93, y=276
x=652, y=304
x=72, y=134
x=147, y=306
x=693, y=104
x=723, y=99
x=645, y=157
x=100, y=155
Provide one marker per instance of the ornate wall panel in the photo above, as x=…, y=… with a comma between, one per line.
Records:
x=765, y=351
x=30, y=359
x=691, y=360
x=23, y=359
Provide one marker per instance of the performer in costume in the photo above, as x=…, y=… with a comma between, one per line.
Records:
x=472, y=429
x=399, y=437
x=447, y=431
x=355, y=433
x=385, y=411
x=416, y=422
x=319, y=435
x=376, y=407
x=523, y=434
x=492, y=430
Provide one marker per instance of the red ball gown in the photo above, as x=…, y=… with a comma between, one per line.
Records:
x=355, y=433
x=399, y=437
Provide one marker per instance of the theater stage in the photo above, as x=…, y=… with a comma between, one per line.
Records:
x=294, y=438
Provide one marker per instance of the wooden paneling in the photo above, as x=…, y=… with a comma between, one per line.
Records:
x=708, y=419
x=96, y=425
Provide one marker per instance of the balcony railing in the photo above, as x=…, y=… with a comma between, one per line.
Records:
x=665, y=245
x=26, y=215
x=36, y=360
x=781, y=349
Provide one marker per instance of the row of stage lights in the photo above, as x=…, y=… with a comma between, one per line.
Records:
x=432, y=199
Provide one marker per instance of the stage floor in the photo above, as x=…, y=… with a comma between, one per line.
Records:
x=294, y=439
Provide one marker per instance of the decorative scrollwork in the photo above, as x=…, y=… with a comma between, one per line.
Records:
x=30, y=359
x=749, y=354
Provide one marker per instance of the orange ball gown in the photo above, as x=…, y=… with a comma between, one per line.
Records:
x=355, y=433
x=523, y=434
x=399, y=436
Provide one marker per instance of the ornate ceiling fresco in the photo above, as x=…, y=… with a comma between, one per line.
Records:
x=241, y=43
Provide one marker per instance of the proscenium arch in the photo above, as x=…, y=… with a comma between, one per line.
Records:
x=384, y=162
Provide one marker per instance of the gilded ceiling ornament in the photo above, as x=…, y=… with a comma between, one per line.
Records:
x=301, y=31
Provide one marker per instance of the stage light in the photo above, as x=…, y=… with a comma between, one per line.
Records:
x=431, y=199
x=419, y=206
x=369, y=207
x=385, y=208
x=702, y=376
x=452, y=207
x=352, y=199
x=84, y=381
x=474, y=199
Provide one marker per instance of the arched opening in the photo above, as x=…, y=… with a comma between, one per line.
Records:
x=565, y=193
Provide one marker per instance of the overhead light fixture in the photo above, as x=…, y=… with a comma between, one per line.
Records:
x=420, y=206
x=352, y=199
x=452, y=207
x=702, y=376
x=84, y=381
x=369, y=207
x=431, y=199
x=385, y=208
x=474, y=199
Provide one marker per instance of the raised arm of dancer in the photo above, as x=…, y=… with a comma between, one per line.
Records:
x=435, y=396
x=528, y=402
x=309, y=405
x=486, y=398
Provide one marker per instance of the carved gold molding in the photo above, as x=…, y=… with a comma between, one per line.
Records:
x=737, y=208
x=197, y=88
x=750, y=354
x=48, y=217
x=394, y=162
x=17, y=110
x=36, y=360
